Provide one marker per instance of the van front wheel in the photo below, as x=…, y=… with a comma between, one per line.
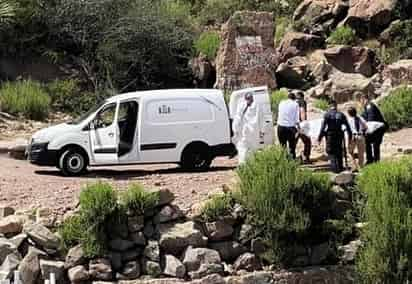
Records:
x=196, y=158
x=72, y=163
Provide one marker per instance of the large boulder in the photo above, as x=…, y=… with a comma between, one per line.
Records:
x=298, y=44
x=369, y=17
x=399, y=73
x=343, y=87
x=320, y=16
x=246, y=56
x=247, y=261
x=174, y=238
x=294, y=73
x=350, y=59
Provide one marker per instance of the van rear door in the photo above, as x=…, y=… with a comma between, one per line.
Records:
x=262, y=98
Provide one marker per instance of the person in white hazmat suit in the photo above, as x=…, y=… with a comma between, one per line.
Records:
x=247, y=124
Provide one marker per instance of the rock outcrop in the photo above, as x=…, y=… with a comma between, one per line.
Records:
x=246, y=56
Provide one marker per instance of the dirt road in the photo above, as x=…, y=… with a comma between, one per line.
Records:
x=25, y=186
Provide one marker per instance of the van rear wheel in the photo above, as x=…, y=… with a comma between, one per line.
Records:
x=72, y=163
x=196, y=158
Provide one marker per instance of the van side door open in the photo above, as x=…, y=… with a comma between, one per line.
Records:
x=104, y=136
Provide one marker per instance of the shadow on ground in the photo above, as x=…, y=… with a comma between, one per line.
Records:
x=130, y=173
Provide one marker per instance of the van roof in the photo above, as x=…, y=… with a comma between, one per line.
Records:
x=166, y=93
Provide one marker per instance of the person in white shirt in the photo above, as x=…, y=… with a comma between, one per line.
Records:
x=247, y=125
x=359, y=127
x=288, y=121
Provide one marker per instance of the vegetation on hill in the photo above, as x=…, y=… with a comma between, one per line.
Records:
x=397, y=108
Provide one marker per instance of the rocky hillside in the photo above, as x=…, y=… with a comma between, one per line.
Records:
x=332, y=48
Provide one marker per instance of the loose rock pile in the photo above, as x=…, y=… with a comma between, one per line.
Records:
x=162, y=243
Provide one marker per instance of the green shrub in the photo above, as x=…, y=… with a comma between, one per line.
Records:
x=25, y=98
x=98, y=202
x=71, y=231
x=399, y=42
x=275, y=99
x=138, y=200
x=287, y=204
x=208, y=44
x=282, y=26
x=342, y=35
x=321, y=104
x=387, y=253
x=218, y=206
x=397, y=108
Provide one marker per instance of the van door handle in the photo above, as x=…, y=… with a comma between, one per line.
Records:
x=111, y=134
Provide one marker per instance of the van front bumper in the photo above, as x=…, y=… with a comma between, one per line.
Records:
x=38, y=154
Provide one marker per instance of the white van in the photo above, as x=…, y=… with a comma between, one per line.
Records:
x=189, y=127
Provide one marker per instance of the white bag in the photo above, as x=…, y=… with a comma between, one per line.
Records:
x=373, y=126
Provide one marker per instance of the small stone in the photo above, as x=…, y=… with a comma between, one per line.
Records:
x=343, y=179
x=9, y=265
x=6, y=248
x=348, y=252
x=116, y=260
x=258, y=246
x=121, y=245
x=6, y=211
x=132, y=254
x=75, y=257
x=135, y=223
x=130, y=271
x=19, y=239
x=11, y=225
x=217, y=231
x=152, y=268
x=173, y=267
x=78, y=274
x=29, y=268
x=246, y=233
x=152, y=251
x=42, y=236
x=239, y=212
x=340, y=193
x=248, y=262
x=195, y=257
x=165, y=197
x=148, y=230
x=228, y=250
x=319, y=254
x=48, y=266
x=174, y=238
x=169, y=213
x=206, y=269
x=100, y=269
x=138, y=238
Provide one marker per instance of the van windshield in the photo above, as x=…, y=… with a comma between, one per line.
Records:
x=82, y=117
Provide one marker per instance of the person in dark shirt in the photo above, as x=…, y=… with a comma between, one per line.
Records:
x=307, y=143
x=332, y=129
x=373, y=140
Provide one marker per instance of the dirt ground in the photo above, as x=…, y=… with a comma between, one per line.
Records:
x=25, y=186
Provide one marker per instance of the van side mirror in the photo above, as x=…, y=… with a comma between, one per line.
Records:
x=91, y=125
